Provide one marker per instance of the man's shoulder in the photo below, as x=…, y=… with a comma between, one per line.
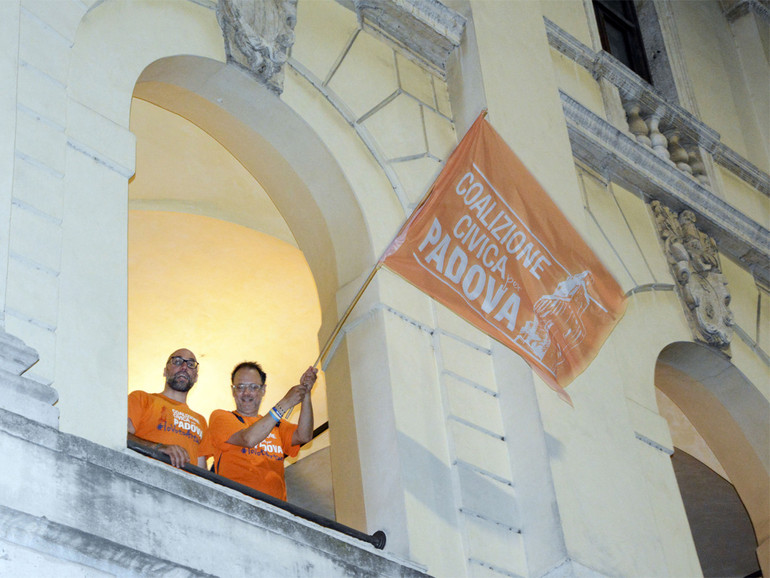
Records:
x=147, y=397
x=138, y=394
x=222, y=415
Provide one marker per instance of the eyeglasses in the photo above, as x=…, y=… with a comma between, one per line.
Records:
x=177, y=361
x=241, y=387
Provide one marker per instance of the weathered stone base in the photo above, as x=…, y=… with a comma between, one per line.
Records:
x=20, y=394
x=69, y=506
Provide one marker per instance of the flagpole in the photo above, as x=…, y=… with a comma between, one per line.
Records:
x=330, y=340
x=372, y=273
x=327, y=346
x=341, y=323
x=348, y=311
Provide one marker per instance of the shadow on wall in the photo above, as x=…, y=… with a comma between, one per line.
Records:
x=731, y=414
x=721, y=528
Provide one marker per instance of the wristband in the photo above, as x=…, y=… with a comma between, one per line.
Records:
x=276, y=414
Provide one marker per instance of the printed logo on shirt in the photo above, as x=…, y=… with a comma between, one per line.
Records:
x=270, y=447
x=163, y=417
x=184, y=425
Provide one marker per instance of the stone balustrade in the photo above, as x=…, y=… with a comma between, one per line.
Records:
x=671, y=132
x=661, y=151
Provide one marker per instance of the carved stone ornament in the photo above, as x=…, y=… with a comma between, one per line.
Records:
x=694, y=261
x=426, y=31
x=258, y=36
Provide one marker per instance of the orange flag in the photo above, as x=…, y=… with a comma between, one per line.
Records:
x=489, y=243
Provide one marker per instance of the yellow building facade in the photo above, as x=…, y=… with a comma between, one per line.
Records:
x=224, y=176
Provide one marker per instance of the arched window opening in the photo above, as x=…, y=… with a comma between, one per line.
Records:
x=721, y=528
x=720, y=525
x=214, y=268
x=718, y=426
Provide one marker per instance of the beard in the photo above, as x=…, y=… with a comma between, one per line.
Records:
x=180, y=382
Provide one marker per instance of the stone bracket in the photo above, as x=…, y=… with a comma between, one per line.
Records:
x=258, y=37
x=424, y=30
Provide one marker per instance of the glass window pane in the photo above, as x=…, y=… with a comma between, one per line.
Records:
x=617, y=42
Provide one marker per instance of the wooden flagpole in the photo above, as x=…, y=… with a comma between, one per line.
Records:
x=348, y=311
x=377, y=266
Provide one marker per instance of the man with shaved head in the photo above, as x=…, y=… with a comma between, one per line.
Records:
x=163, y=421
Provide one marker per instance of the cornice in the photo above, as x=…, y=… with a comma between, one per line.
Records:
x=631, y=86
x=425, y=30
x=616, y=155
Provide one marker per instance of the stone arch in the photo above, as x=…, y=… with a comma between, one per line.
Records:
x=282, y=152
x=122, y=50
x=730, y=413
x=306, y=185
x=255, y=125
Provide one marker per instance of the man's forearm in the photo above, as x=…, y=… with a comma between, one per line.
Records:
x=304, y=432
x=249, y=437
x=141, y=441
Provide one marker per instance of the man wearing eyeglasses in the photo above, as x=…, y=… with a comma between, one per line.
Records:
x=249, y=448
x=164, y=419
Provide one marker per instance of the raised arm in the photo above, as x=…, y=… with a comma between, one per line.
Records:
x=259, y=430
x=304, y=432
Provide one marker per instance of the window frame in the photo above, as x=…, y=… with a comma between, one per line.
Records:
x=627, y=23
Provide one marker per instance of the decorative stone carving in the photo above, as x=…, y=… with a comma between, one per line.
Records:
x=694, y=261
x=258, y=36
x=735, y=9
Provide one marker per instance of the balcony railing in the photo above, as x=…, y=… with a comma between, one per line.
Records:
x=377, y=539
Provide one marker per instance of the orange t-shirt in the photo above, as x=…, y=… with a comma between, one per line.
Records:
x=260, y=467
x=159, y=419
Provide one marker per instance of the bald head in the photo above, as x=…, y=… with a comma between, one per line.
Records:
x=181, y=371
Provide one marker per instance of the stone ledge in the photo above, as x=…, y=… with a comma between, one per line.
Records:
x=64, y=542
x=86, y=487
x=20, y=394
x=425, y=30
x=29, y=399
x=610, y=151
x=16, y=357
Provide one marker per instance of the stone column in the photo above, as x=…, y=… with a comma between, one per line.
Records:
x=9, y=62
x=18, y=394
